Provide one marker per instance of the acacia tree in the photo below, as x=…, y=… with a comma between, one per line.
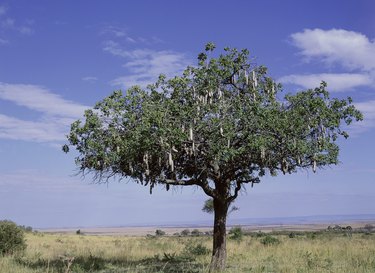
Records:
x=219, y=126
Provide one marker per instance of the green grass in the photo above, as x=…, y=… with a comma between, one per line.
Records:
x=304, y=252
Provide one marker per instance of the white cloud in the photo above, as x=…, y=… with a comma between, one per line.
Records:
x=352, y=50
x=3, y=42
x=368, y=110
x=9, y=24
x=336, y=82
x=36, y=131
x=90, y=79
x=57, y=114
x=116, y=31
x=40, y=99
x=145, y=65
x=3, y=10
x=35, y=181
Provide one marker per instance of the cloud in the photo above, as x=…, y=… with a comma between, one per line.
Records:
x=40, y=99
x=51, y=127
x=9, y=24
x=145, y=65
x=30, y=180
x=90, y=79
x=3, y=42
x=352, y=50
x=368, y=110
x=116, y=31
x=336, y=82
x=3, y=10
x=40, y=131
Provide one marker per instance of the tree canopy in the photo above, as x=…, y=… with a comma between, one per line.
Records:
x=220, y=125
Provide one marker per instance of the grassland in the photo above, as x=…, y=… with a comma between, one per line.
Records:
x=304, y=252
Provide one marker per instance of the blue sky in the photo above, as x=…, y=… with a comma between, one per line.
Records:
x=58, y=58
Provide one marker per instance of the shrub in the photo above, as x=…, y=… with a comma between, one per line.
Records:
x=236, y=233
x=185, y=232
x=78, y=232
x=195, y=232
x=269, y=240
x=159, y=232
x=11, y=238
x=195, y=250
x=292, y=235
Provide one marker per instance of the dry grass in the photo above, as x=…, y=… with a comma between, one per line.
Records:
x=305, y=253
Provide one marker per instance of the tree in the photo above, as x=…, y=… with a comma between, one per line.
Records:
x=12, y=238
x=208, y=207
x=219, y=126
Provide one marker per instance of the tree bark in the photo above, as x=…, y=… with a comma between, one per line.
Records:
x=219, y=250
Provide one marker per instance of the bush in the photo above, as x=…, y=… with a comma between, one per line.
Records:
x=195, y=232
x=11, y=238
x=159, y=232
x=195, y=250
x=269, y=240
x=236, y=233
x=185, y=232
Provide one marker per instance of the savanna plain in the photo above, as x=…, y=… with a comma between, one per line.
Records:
x=277, y=251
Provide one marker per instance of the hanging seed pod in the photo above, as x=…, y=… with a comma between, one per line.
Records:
x=228, y=144
x=174, y=149
x=255, y=81
x=190, y=133
x=145, y=160
x=246, y=78
x=314, y=166
x=273, y=88
x=221, y=131
x=284, y=166
x=193, y=147
x=118, y=149
x=220, y=94
x=262, y=153
x=183, y=128
x=170, y=161
x=299, y=160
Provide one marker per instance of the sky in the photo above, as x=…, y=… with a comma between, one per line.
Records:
x=57, y=58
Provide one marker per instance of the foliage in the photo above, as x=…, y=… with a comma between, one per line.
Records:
x=11, y=238
x=219, y=121
x=369, y=227
x=196, y=232
x=208, y=207
x=26, y=228
x=159, y=232
x=185, y=232
x=192, y=249
x=219, y=126
x=270, y=240
x=236, y=233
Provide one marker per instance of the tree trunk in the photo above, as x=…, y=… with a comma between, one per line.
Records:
x=219, y=251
